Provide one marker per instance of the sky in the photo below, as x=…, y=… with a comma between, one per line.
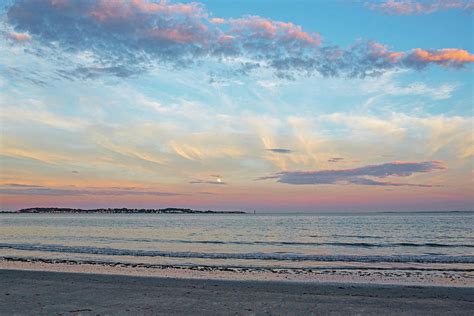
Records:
x=278, y=106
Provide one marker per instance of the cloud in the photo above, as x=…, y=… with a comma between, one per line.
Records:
x=441, y=92
x=365, y=181
x=217, y=182
x=448, y=57
x=19, y=114
x=217, y=20
x=335, y=159
x=19, y=37
x=117, y=34
x=409, y=7
x=206, y=193
x=19, y=185
x=370, y=58
x=195, y=150
x=22, y=189
x=91, y=39
x=280, y=150
x=359, y=176
x=256, y=36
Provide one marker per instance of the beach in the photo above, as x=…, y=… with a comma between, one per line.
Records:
x=170, y=157
x=100, y=264
x=47, y=293
x=356, y=276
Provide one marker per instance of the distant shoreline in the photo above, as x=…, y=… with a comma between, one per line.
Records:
x=58, y=210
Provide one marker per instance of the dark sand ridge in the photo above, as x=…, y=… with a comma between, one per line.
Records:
x=35, y=292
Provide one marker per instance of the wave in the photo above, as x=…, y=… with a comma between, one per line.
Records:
x=278, y=243
x=242, y=256
x=348, y=236
x=364, y=244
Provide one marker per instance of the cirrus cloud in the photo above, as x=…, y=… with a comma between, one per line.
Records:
x=207, y=182
x=408, y=7
x=27, y=189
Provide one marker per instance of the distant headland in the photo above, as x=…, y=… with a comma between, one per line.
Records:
x=121, y=211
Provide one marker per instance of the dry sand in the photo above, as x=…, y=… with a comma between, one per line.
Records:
x=52, y=293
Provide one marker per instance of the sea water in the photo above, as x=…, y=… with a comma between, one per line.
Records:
x=394, y=241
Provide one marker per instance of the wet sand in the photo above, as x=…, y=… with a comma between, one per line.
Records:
x=363, y=276
x=40, y=292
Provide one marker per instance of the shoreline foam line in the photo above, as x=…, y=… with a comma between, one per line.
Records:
x=246, y=256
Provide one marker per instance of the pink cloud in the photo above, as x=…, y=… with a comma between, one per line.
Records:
x=374, y=57
x=174, y=35
x=129, y=37
x=217, y=21
x=445, y=57
x=257, y=27
x=110, y=9
x=192, y=9
x=407, y=7
x=20, y=37
x=380, y=51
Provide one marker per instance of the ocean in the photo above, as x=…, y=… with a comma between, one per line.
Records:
x=302, y=242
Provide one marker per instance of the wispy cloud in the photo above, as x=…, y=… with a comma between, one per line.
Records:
x=19, y=185
x=409, y=7
x=335, y=159
x=216, y=180
x=280, y=150
x=359, y=176
x=25, y=189
x=207, y=182
x=125, y=38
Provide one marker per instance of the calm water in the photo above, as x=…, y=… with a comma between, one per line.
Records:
x=384, y=241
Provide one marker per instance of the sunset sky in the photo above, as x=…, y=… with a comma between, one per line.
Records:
x=269, y=105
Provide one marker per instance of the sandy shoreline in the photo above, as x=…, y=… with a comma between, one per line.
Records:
x=409, y=277
x=40, y=292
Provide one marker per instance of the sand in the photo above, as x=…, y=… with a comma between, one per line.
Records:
x=48, y=293
x=397, y=277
